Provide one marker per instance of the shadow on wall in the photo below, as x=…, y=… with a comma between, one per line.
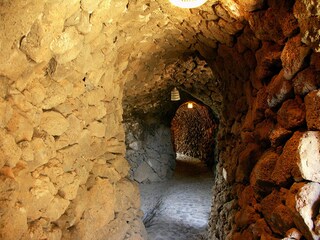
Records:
x=193, y=129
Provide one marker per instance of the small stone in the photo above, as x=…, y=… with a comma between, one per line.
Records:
x=292, y=114
x=293, y=234
x=251, y=5
x=20, y=127
x=10, y=152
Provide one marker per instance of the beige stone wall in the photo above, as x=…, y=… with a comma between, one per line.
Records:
x=62, y=166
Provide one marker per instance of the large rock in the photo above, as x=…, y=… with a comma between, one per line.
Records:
x=313, y=110
x=279, y=89
x=303, y=201
x=54, y=123
x=275, y=213
x=293, y=56
x=305, y=81
x=309, y=156
x=291, y=114
x=260, y=178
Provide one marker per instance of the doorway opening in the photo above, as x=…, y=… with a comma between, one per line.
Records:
x=193, y=132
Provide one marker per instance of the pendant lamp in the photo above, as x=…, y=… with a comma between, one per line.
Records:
x=187, y=3
x=175, y=95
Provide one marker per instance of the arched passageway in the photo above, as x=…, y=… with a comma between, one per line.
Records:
x=193, y=132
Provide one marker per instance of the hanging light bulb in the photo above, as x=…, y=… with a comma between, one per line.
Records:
x=190, y=105
x=187, y=3
x=175, y=95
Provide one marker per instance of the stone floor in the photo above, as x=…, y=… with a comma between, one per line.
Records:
x=179, y=208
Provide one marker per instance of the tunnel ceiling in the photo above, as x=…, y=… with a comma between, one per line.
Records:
x=173, y=45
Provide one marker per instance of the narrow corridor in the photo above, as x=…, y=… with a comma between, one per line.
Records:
x=179, y=208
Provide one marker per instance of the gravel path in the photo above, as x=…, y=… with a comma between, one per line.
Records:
x=179, y=208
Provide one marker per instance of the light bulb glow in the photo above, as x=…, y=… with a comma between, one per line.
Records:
x=187, y=3
x=190, y=105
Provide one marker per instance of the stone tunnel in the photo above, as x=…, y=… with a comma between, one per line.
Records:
x=85, y=97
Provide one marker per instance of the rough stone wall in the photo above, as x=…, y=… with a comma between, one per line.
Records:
x=63, y=174
x=267, y=184
x=149, y=151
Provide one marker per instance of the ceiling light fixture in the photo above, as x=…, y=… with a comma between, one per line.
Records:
x=175, y=95
x=187, y=3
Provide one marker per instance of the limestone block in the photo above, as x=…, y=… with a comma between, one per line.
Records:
x=293, y=56
x=286, y=166
x=35, y=44
x=10, y=152
x=247, y=159
x=6, y=112
x=84, y=26
x=89, y=5
x=246, y=216
x=27, y=151
x=105, y=171
x=219, y=35
x=55, y=94
x=74, y=19
x=302, y=201
x=42, y=153
x=275, y=213
x=121, y=165
x=265, y=26
x=20, y=127
x=251, y=5
x=69, y=192
x=279, y=89
x=312, y=110
x=259, y=106
x=127, y=196
x=84, y=62
x=260, y=177
x=14, y=223
x=263, y=130
x=305, y=81
x=71, y=136
x=35, y=93
x=38, y=198
x=14, y=65
x=94, y=96
x=97, y=129
x=54, y=123
x=67, y=45
x=230, y=28
x=309, y=156
x=291, y=114
x=99, y=210
x=56, y=208
x=268, y=59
